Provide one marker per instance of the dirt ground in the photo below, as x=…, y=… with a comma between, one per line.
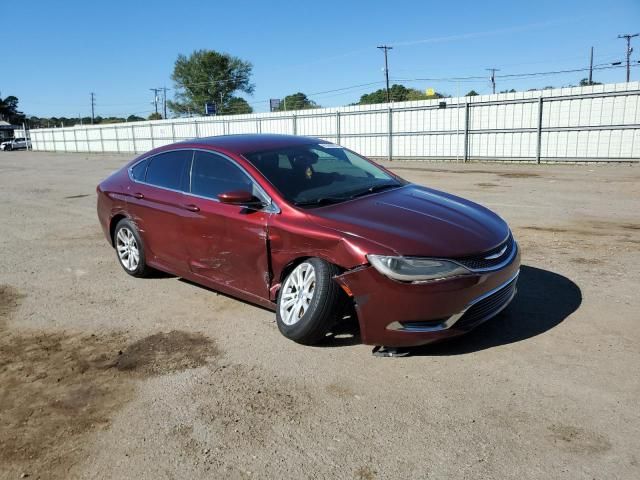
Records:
x=106, y=376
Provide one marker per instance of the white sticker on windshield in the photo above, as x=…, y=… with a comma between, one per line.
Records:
x=329, y=145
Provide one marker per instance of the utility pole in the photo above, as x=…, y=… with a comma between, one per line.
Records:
x=628, y=37
x=155, y=97
x=493, y=77
x=591, y=68
x=93, y=107
x=386, y=48
x=164, y=101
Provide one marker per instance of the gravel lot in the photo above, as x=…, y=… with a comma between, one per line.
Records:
x=106, y=376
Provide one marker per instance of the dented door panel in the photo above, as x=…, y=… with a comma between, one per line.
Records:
x=227, y=244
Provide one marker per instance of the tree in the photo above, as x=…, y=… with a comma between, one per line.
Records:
x=238, y=105
x=134, y=118
x=398, y=93
x=586, y=83
x=209, y=76
x=111, y=120
x=155, y=116
x=9, y=110
x=472, y=93
x=508, y=91
x=297, y=101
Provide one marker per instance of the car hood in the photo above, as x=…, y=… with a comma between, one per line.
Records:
x=415, y=220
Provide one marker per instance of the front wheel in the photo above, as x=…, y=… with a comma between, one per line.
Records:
x=308, y=302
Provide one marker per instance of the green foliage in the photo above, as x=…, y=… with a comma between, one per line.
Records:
x=9, y=110
x=585, y=82
x=55, y=122
x=508, y=91
x=472, y=93
x=398, y=93
x=209, y=76
x=297, y=101
x=155, y=116
x=134, y=118
x=111, y=120
x=237, y=105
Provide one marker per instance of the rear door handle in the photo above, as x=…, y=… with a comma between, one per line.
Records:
x=191, y=207
x=138, y=195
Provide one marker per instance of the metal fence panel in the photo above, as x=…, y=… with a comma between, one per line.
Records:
x=600, y=122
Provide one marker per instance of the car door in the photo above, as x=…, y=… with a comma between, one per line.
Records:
x=156, y=203
x=225, y=243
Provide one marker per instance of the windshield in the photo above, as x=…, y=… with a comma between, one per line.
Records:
x=319, y=174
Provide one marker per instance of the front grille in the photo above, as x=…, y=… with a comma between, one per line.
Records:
x=487, y=307
x=480, y=262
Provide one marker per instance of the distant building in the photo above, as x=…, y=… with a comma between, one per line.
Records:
x=6, y=130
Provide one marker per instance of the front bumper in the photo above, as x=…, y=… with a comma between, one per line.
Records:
x=396, y=314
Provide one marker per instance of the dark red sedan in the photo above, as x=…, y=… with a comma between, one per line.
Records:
x=304, y=226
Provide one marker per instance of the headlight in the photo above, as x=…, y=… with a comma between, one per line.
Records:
x=415, y=269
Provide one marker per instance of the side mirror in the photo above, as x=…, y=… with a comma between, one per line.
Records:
x=240, y=197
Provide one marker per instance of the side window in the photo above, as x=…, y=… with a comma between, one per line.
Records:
x=168, y=170
x=213, y=174
x=138, y=171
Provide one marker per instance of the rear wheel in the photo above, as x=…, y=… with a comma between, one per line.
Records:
x=130, y=249
x=308, y=302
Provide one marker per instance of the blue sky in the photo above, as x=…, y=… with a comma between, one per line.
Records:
x=55, y=53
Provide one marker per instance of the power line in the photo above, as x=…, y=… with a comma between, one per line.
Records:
x=462, y=79
x=628, y=37
x=511, y=75
x=386, y=49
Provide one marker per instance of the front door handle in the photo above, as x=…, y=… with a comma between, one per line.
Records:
x=138, y=195
x=191, y=207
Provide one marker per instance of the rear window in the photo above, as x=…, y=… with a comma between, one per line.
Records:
x=167, y=170
x=138, y=171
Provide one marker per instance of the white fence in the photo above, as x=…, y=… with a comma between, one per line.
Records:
x=599, y=123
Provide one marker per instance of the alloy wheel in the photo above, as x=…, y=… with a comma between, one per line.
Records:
x=297, y=293
x=127, y=248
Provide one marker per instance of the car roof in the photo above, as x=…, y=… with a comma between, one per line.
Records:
x=249, y=143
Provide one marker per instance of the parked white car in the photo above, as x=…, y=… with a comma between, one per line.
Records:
x=16, y=144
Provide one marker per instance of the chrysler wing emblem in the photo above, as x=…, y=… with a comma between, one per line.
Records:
x=493, y=256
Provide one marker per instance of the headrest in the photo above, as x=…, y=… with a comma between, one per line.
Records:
x=305, y=158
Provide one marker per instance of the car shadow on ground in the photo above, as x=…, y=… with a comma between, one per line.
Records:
x=544, y=300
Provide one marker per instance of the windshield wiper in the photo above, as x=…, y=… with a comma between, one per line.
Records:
x=330, y=200
x=321, y=201
x=375, y=188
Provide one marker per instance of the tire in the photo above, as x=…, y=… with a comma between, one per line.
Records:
x=315, y=308
x=130, y=249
